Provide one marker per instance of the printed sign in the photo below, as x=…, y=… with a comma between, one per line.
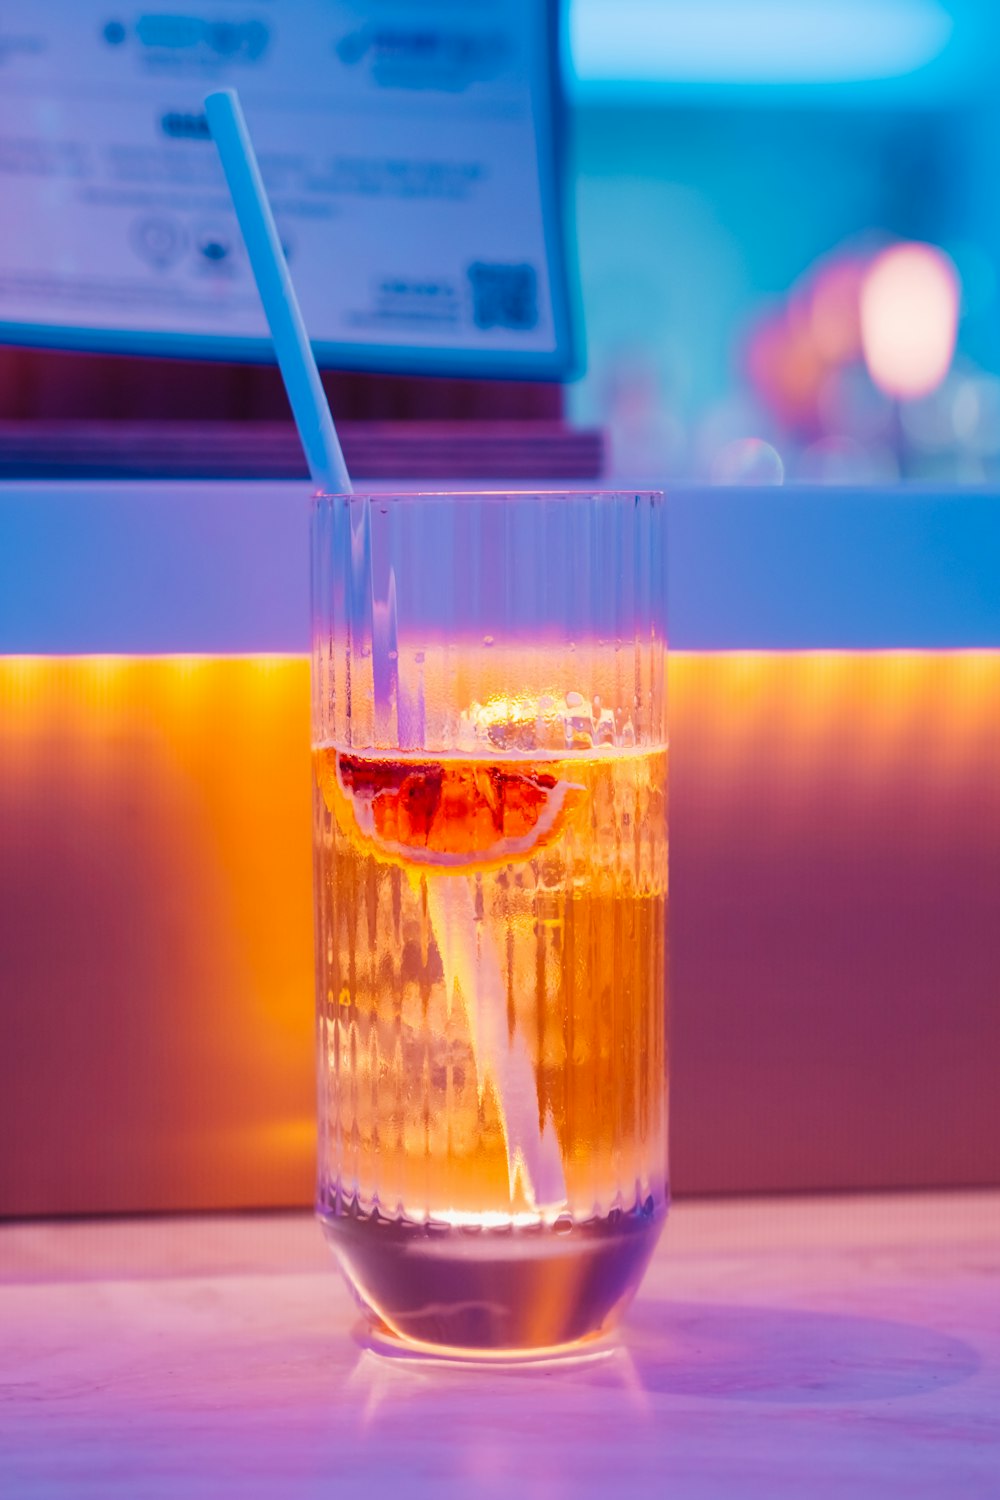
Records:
x=410, y=153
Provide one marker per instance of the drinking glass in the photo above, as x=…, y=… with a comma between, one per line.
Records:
x=490, y=792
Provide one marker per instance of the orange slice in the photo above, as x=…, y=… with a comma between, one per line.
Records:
x=452, y=814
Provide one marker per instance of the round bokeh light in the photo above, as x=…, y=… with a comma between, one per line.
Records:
x=909, y=318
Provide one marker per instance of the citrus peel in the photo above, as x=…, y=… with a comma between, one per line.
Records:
x=456, y=814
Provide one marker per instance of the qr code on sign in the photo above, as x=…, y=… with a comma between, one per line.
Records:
x=504, y=296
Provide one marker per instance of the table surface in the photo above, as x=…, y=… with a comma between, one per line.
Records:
x=828, y=1346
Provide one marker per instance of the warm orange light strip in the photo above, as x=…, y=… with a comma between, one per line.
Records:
x=859, y=715
x=155, y=880
x=156, y=896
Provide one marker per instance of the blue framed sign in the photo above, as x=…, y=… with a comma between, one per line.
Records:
x=412, y=154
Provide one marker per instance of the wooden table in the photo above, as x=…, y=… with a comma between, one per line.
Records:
x=799, y=1347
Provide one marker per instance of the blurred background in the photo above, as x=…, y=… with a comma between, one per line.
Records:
x=789, y=236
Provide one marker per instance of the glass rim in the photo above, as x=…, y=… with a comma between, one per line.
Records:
x=319, y=496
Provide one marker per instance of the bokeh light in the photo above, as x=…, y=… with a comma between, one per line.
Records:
x=909, y=319
x=833, y=308
x=748, y=461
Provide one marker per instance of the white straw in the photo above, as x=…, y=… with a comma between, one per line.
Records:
x=267, y=259
x=472, y=968
x=532, y=1152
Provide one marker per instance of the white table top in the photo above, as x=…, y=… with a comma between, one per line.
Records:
x=827, y=1347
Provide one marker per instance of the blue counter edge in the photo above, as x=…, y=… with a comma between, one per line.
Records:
x=221, y=568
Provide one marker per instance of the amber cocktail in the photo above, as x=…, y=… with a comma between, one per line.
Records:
x=491, y=929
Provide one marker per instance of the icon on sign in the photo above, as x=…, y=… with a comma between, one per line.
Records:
x=215, y=248
x=158, y=240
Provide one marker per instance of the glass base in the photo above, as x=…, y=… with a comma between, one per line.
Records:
x=471, y=1292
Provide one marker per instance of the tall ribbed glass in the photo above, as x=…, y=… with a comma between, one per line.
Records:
x=490, y=774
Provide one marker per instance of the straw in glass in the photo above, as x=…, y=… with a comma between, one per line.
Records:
x=470, y=965
x=267, y=260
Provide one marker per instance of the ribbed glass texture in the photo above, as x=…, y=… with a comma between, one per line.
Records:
x=490, y=768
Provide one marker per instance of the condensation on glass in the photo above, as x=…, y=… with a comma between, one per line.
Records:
x=490, y=782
